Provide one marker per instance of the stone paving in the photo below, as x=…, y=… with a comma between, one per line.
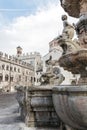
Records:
x=9, y=114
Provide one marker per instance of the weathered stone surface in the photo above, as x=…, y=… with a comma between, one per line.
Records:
x=81, y=29
x=21, y=98
x=65, y=40
x=75, y=62
x=68, y=45
x=37, y=107
x=70, y=102
x=74, y=8
x=71, y=6
x=71, y=105
x=52, y=76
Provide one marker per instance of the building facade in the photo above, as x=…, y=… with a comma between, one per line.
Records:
x=14, y=72
x=35, y=60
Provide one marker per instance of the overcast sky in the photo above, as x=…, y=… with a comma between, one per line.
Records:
x=31, y=24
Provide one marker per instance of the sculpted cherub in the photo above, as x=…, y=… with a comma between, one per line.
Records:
x=68, y=31
x=65, y=40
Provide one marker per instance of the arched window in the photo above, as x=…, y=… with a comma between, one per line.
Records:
x=19, y=70
x=1, y=77
x=34, y=79
x=73, y=82
x=7, y=67
x=19, y=77
x=15, y=69
x=37, y=80
x=11, y=68
x=11, y=78
x=26, y=78
x=3, y=67
x=26, y=72
x=6, y=77
x=31, y=79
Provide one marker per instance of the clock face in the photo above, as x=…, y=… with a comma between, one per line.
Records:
x=56, y=70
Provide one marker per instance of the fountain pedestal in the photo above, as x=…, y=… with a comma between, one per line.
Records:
x=36, y=107
x=70, y=102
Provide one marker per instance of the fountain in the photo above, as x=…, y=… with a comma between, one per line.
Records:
x=70, y=101
x=36, y=105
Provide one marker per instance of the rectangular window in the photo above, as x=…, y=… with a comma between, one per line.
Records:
x=3, y=67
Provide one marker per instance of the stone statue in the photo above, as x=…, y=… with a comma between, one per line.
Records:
x=51, y=62
x=66, y=39
x=58, y=77
x=52, y=75
x=68, y=31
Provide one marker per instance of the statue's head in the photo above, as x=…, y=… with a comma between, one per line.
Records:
x=64, y=17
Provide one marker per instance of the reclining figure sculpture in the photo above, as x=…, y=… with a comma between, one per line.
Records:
x=52, y=75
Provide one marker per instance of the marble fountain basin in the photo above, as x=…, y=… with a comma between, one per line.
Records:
x=75, y=62
x=70, y=103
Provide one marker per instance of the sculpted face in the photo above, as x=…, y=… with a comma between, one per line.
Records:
x=64, y=17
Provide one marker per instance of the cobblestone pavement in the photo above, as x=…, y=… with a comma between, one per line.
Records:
x=9, y=114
